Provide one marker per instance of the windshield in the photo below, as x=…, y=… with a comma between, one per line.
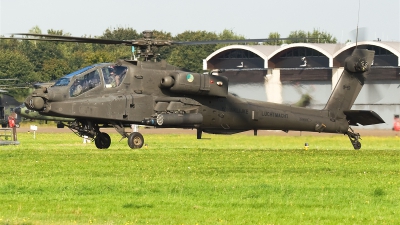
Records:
x=85, y=83
x=64, y=81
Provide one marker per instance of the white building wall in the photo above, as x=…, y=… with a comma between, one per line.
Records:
x=273, y=86
x=336, y=73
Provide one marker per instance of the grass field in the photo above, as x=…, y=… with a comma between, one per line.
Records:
x=237, y=179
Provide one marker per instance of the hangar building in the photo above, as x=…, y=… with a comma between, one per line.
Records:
x=283, y=73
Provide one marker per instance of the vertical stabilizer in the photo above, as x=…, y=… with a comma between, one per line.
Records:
x=350, y=83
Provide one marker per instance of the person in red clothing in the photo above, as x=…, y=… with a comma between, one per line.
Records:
x=396, y=123
x=11, y=120
x=11, y=124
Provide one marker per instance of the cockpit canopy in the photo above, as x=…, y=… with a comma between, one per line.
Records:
x=106, y=75
x=64, y=81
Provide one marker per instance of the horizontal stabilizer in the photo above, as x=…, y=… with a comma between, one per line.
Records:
x=363, y=117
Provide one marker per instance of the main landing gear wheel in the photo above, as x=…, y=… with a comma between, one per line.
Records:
x=354, y=139
x=135, y=140
x=102, y=140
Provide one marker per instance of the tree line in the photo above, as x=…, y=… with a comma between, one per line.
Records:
x=43, y=61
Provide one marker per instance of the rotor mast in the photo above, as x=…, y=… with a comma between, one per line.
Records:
x=145, y=45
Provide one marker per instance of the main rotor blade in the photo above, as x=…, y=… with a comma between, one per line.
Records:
x=50, y=37
x=39, y=39
x=236, y=41
x=140, y=42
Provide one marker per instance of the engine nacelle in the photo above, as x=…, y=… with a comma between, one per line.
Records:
x=196, y=83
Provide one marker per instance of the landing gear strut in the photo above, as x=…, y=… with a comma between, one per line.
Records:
x=199, y=133
x=90, y=129
x=354, y=138
x=102, y=140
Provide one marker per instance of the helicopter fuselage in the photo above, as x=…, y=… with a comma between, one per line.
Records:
x=159, y=95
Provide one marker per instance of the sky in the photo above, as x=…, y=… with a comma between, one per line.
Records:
x=251, y=18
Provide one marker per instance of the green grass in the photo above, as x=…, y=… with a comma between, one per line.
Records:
x=237, y=179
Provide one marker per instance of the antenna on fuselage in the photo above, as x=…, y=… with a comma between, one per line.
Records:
x=358, y=21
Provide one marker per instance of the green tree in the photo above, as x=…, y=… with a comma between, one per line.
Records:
x=120, y=33
x=274, y=36
x=54, y=69
x=58, y=32
x=35, y=30
x=9, y=44
x=322, y=37
x=77, y=60
x=297, y=36
x=14, y=64
x=97, y=57
x=39, y=51
x=190, y=57
x=165, y=51
x=228, y=35
x=315, y=36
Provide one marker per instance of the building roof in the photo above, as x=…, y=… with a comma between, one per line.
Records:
x=266, y=52
x=393, y=47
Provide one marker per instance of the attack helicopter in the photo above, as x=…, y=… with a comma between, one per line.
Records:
x=151, y=93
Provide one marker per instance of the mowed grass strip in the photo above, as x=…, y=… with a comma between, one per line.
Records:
x=177, y=179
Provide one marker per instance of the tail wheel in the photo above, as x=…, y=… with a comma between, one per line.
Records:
x=135, y=140
x=357, y=145
x=102, y=141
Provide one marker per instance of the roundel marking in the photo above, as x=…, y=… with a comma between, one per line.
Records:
x=189, y=77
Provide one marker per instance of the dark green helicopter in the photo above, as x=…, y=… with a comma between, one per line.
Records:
x=160, y=95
